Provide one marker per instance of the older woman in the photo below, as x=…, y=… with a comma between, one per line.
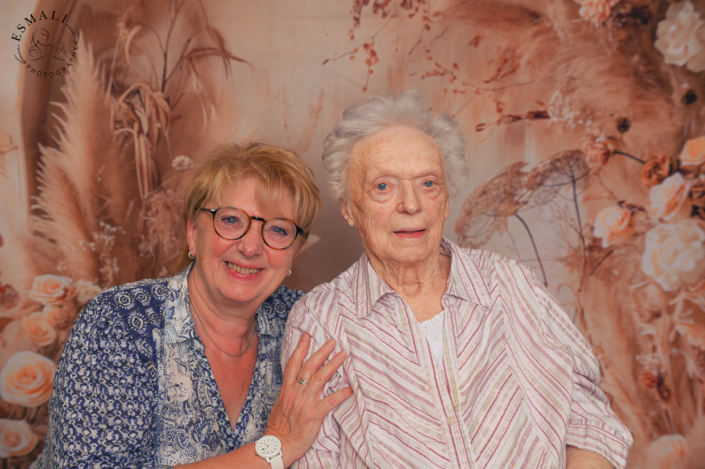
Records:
x=457, y=358
x=167, y=372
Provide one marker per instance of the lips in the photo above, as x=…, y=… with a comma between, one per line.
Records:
x=241, y=270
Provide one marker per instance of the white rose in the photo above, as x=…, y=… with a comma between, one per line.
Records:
x=40, y=332
x=27, y=379
x=668, y=451
x=667, y=198
x=52, y=289
x=613, y=225
x=16, y=438
x=674, y=255
x=680, y=37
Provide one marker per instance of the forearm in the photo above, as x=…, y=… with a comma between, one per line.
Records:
x=577, y=458
x=244, y=456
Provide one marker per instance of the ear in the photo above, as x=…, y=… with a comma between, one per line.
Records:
x=347, y=213
x=191, y=231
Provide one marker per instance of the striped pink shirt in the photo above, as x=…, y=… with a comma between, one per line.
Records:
x=519, y=381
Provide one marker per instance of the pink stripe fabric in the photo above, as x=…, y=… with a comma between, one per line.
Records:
x=518, y=384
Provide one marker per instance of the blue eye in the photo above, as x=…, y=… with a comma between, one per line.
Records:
x=382, y=186
x=428, y=183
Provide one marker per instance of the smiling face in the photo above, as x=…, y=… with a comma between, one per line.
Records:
x=398, y=197
x=240, y=273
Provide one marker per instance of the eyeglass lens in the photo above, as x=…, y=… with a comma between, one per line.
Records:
x=233, y=224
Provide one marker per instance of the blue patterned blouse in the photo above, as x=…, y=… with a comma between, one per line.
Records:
x=134, y=388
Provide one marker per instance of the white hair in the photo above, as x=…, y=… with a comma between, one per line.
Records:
x=409, y=109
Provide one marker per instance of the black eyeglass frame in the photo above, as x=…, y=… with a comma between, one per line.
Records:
x=213, y=211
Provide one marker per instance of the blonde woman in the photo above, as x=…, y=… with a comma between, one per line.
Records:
x=184, y=372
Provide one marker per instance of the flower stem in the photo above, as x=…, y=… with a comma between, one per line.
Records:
x=536, y=251
x=580, y=224
x=617, y=152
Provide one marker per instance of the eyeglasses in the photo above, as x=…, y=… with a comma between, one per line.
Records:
x=233, y=223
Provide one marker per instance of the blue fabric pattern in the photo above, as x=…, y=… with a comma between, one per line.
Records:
x=134, y=388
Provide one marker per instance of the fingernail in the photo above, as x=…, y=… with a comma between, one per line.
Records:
x=330, y=342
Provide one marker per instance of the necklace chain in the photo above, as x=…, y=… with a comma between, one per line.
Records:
x=252, y=338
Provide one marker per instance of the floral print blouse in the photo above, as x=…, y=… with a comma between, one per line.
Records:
x=134, y=388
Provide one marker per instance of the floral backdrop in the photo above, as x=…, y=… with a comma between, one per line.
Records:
x=586, y=135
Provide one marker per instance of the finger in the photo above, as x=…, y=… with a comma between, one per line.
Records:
x=319, y=379
x=325, y=372
x=315, y=361
x=291, y=371
x=328, y=403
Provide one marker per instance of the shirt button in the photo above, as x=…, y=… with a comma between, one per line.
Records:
x=450, y=420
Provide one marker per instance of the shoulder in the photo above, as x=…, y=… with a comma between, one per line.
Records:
x=130, y=311
x=140, y=294
x=273, y=313
x=498, y=271
x=326, y=304
x=342, y=289
x=279, y=304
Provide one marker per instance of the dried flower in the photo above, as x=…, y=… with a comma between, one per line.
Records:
x=667, y=198
x=596, y=11
x=680, y=37
x=674, y=254
x=27, y=379
x=486, y=211
x=9, y=298
x=39, y=331
x=694, y=333
x=613, y=224
x=58, y=316
x=52, y=289
x=16, y=438
x=86, y=291
x=693, y=153
x=656, y=170
x=649, y=380
x=182, y=163
x=597, y=150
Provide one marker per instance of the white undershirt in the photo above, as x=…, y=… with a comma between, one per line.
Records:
x=433, y=330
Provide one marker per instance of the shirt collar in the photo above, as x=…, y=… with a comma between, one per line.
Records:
x=179, y=320
x=465, y=280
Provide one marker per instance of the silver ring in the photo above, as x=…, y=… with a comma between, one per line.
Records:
x=302, y=382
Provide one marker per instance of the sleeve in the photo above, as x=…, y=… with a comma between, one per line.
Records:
x=592, y=424
x=324, y=453
x=101, y=409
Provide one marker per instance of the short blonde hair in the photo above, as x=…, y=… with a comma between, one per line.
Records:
x=275, y=168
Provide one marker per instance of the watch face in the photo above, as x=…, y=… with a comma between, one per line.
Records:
x=268, y=445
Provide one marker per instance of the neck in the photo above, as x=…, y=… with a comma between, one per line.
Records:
x=414, y=279
x=230, y=328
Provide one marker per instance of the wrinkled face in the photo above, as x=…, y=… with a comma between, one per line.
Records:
x=244, y=272
x=398, y=197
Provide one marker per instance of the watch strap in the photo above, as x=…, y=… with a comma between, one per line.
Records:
x=276, y=462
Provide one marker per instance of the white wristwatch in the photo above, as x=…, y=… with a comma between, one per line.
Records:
x=270, y=448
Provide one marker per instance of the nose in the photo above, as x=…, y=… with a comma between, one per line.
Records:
x=252, y=243
x=409, y=200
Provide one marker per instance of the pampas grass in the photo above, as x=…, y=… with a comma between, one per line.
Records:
x=85, y=186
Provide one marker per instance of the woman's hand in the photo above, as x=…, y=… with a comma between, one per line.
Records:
x=299, y=411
